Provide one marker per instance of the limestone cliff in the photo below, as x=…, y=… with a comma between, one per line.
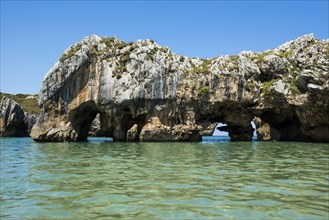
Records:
x=145, y=92
x=14, y=121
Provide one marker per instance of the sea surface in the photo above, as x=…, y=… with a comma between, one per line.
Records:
x=213, y=179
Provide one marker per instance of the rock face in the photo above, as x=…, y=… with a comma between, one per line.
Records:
x=265, y=132
x=14, y=121
x=154, y=130
x=95, y=128
x=144, y=92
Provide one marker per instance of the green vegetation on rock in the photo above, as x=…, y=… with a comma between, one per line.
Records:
x=235, y=61
x=326, y=51
x=251, y=83
x=164, y=49
x=266, y=85
x=73, y=49
x=286, y=54
x=29, y=105
x=108, y=41
x=202, y=68
x=94, y=50
x=261, y=56
x=125, y=58
x=203, y=90
x=121, y=44
x=295, y=89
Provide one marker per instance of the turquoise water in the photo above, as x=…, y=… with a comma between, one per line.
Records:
x=214, y=179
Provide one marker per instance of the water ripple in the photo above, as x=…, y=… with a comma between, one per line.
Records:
x=209, y=180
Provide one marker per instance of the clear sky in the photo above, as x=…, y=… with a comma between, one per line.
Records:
x=34, y=34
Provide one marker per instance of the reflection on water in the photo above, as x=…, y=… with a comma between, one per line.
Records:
x=207, y=180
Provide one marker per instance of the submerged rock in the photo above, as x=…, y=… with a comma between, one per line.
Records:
x=144, y=92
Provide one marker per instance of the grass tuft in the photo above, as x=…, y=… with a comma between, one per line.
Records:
x=203, y=90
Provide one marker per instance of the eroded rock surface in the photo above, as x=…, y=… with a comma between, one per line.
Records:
x=154, y=130
x=14, y=121
x=145, y=92
x=95, y=128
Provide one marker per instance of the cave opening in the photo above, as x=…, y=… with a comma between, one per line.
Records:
x=96, y=133
x=81, y=119
x=221, y=132
x=217, y=135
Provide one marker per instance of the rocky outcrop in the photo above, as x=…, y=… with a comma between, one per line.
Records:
x=95, y=127
x=264, y=131
x=14, y=121
x=144, y=92
x=30, y=120
x=133, y=134
x=154, y=130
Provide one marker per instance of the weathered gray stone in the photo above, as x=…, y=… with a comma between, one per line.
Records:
x=314, y=88
x=95, y=128
x=129, y=84
x=265, y=132
x=132, y=133
x=14, y=121
x=30, y=120
x=273, y=67
x=208, y=128
x=307, y=77
x=281, y=87
x=154, y=130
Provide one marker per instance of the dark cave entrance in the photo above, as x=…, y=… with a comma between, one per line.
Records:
x=96, y=133
x=221, y=132
x=82, y=117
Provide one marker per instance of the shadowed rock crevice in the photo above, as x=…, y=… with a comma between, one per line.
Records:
x=288, y=130
x=144, y=92
x=81, y=119
x=238, y=133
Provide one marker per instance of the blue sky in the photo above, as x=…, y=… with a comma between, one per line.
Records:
x=34, y=34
